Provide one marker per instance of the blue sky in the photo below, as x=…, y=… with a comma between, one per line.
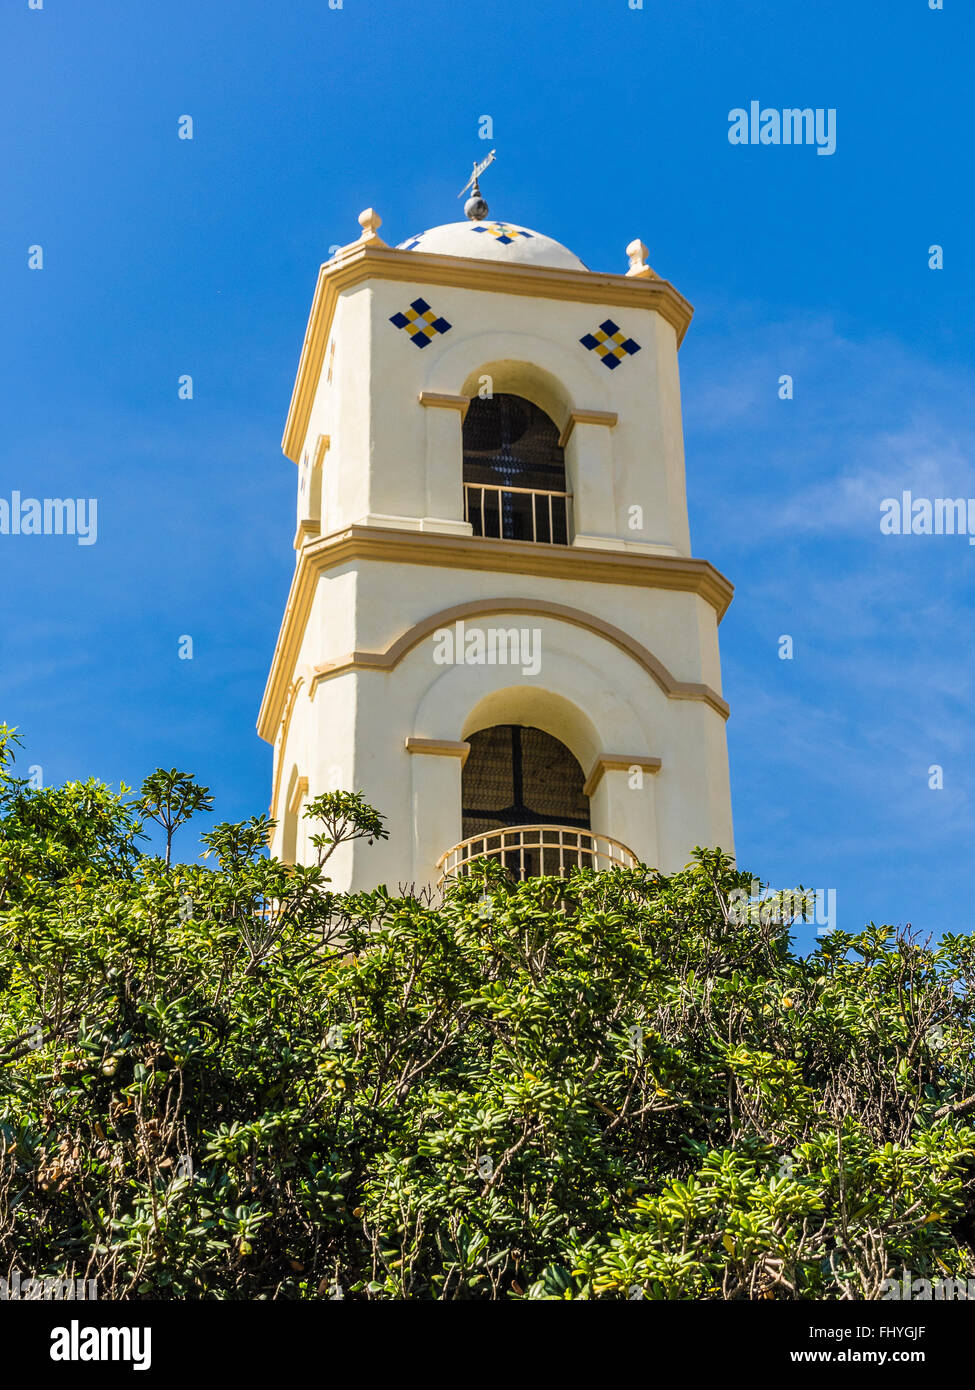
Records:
x=164, y=257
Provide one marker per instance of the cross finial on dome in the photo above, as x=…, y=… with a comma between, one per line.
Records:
x=476, y=208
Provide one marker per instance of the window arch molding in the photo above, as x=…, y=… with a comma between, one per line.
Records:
x=525, y=380
x=541, y=708
x=547, y=373
x=539, y=369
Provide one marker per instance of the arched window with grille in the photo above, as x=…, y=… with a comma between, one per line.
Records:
x=514, y=472
x=524, y=803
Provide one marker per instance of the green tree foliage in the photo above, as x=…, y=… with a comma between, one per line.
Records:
x=171, y=799
x=222, y=1080
x=80, y=829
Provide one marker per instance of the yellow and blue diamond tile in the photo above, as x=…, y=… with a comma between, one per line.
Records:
x=610, y=344
x=504, y=234
x=420, y=323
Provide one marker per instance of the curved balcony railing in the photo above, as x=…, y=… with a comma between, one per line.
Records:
x=531, y=851
x=518, y=513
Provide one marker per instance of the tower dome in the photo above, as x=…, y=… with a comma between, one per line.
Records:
x=494, y=241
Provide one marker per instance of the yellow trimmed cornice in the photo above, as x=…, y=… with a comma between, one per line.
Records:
x=371, y=261
x=617, y=762
x=358, y=542
x=480, y=553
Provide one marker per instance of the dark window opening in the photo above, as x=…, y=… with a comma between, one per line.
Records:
x=514, y=472
x=516, y=775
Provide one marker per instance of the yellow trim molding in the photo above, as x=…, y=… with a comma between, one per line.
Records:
x=391, y=656
x=306, y=527
x=586, y=417
x=394, y=653
x=617, y=762
x=439, y=747
x=445, y=402
x=299, y=793
x=279, y=736
x=674, y=572
x=369, y=261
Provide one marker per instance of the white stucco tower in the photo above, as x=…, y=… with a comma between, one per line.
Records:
x=496, y=629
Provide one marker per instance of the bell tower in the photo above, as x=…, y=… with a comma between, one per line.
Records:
x=496, y=629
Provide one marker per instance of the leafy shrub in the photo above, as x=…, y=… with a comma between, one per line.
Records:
x=222, y=1080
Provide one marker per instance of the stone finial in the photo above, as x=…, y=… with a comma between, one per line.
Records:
x=370, y=221
x=637, y=253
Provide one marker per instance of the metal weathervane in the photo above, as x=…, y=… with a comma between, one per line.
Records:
x=475, y=207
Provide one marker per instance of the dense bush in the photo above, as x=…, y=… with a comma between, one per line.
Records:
x=223, y=1081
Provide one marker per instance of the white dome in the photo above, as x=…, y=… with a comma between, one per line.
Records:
x=494, y=241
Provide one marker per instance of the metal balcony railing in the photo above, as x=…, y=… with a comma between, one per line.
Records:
x=518, y=513
x=531, y=851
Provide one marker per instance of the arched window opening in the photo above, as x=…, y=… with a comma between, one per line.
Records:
x=524, y=804
x=517, y=775
x=520, y=776
x=514, y=472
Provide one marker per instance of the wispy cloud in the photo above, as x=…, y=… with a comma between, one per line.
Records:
x=830, y=752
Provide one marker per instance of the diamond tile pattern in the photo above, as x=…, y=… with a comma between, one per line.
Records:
x=505, y=235
x=610, y=344
x=420, y=323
